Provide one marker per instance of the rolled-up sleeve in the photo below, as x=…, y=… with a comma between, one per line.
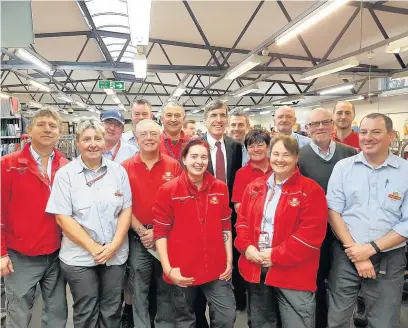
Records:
x=226, y=211
x=401, y=227
x=127, y=192
x=60, y=201
x=336, y=199
x=163, y=216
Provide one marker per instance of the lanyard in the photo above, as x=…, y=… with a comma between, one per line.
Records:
x=166, y=143
x=267, y=204
x=116, y=151
x=89, y=183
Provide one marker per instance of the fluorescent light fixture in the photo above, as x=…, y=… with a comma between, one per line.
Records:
x=4, y=96
x=140, y=66
x=313, y=18
x=290, y=99
x=39, y=85
x=352, y=76
x=395, y=92
x=397, y=46
x=245, y=90
x=265, y=112
x=116, y=100
x=64, y=111
x=28, y=56
x=251, y=115
x=245, y=66
x=139, y=21
x=330, y=68
x=355, y=98
x=336, y=89
x=80, y=104
x=122, y=107
x=246, y=109
x=196, y=111
x=34, y=104
x=65, y=98
x=181, y=88
x=400, y=75
x=109, y=92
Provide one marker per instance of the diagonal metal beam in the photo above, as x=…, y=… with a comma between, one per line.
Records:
x=383, y=32
x=291, y=76
x=389, y=9
x=200, y=30
x=123, y=51
x=361, y=86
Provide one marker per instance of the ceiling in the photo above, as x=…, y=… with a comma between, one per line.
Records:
x=196, y=42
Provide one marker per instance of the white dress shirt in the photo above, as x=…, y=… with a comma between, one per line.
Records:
x=213, y=152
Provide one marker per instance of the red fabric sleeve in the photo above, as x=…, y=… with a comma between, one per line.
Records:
x=178, y=170
x=243, y=240
x=239, y=187
x=163, y=215
x=226, y=210
x=6, y=184
x=306, y=241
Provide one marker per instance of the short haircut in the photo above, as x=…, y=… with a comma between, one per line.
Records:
x=46, y=112
x=172, y=103
x=194, y=142
x=142, y=101
x=289, y=143
x=345, y=103
x=240, y=112
x=188, y=122
x=387, y=120
x=256, y=136
x=213, y=105
x=315, y=110
x=143, y=124
x=86, y=123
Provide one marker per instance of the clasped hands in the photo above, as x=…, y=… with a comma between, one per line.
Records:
x=259, y=257
x=360, y=255
x=103, y=253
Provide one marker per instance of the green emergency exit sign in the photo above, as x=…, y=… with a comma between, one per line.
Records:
x=116, y=85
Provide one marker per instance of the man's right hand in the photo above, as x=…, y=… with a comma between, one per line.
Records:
x=147, y=239
x=253, y=255
x=365, y=269
x=6, y=266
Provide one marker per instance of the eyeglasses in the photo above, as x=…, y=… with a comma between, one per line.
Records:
x=153, y=134
x=317, y=124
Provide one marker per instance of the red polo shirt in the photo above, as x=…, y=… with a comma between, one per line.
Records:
x=145, y=183
x=245, y=175
x=172, y=149
x=351, y=140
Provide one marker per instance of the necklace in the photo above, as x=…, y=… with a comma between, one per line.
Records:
x=197, y=182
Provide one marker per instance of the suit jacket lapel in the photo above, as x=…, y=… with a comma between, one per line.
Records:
x=210, y=167
x=229, y=150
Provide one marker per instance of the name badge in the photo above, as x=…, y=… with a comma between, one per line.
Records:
x=264, y=241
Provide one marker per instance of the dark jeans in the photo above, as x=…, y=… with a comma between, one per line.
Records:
x=382, y=296
x=96, y=292
x=266, y=303
x=220, y=299
x=21, y=286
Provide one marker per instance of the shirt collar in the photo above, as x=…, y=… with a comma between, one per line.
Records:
x=391, y=160
x=181, y=138
x=128, y=135
x=317, y=149
x=38, y=157
x=211, y=140
x=112, y=151
x=80, y=165
x=271, y=183
x=250, y=165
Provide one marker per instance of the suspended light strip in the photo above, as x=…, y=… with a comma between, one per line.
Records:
x=140, y=66
x=397, y=46
x=400, y=75
x=336, y=89
x=139, y=21
x=181, y=88
x=289, y=99
x=356, y=98
x=4, y=96
x=246, y=109
x=310, y=20
x=39, y=85
x=116, y=100
x=330, y=68
x=245, y=66
x=25, y=55
x=80, y=104
x=34, y=104
x=109, y=92
x=265, y=112
x=65, y=98
x=245, y=90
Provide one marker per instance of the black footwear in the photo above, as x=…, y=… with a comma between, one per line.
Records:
x=360, y=315
x=127, y=321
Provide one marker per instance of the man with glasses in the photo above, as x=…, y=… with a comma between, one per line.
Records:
x=141, y=110
x=147, y=171
x=115, y=149
x=172, y=138
x=344, y=113
x=316, y=161
x=285, y=119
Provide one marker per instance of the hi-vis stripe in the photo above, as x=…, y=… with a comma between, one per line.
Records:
x=182, y=198
x=226, y=219
x=167, y=224
x=216, y=194
x=305, y=243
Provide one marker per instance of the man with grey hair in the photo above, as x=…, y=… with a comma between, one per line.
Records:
x=173, y=137
x=285, y=119
x=238, y=129
x=147, y=171
x=30, y=237
x=316, y=161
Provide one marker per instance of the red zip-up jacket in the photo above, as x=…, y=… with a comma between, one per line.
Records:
x=25, y=227
x=193, y=222
x=299, y=229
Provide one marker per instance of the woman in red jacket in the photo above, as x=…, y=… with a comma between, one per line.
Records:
x=192, y=229
x=281, y=224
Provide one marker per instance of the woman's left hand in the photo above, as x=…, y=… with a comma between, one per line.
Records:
x=266, y=257
x=109, y=250
x=226, y=275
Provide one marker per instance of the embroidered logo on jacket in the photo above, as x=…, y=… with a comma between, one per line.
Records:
x=294, y=202
x=214, y=200
x=167, y=176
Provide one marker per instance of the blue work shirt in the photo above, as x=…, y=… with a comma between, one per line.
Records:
x=129, y=138
x=301, y=140
x=95, y=207
x=372, y=202
x=326, y=156
x=125, y=152
x=271, y=202
x=245, y=155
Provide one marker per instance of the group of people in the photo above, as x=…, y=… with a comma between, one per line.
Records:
x=167, y=221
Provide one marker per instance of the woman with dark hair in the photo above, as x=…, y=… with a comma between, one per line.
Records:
x=281, y=224
x=257, y=142
x=192, y=230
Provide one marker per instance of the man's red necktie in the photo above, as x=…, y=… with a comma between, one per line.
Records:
x=220, y=163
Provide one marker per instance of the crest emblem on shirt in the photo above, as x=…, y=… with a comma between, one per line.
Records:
x=214, y=200
x=167, y=176
x=294, y=202
x=394, y=196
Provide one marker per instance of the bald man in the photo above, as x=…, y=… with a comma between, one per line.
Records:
x=285, y=119
x=316, y=161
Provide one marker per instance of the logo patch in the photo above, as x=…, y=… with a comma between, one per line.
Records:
x=294, y=202
x=167, y=176
x=394, y=196
x=214, y=200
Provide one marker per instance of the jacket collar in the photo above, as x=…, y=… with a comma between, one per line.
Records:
x=26, y=157
x=289, y=183
x=208, y=182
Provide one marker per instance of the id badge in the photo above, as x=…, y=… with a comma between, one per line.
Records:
x=263, y=240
